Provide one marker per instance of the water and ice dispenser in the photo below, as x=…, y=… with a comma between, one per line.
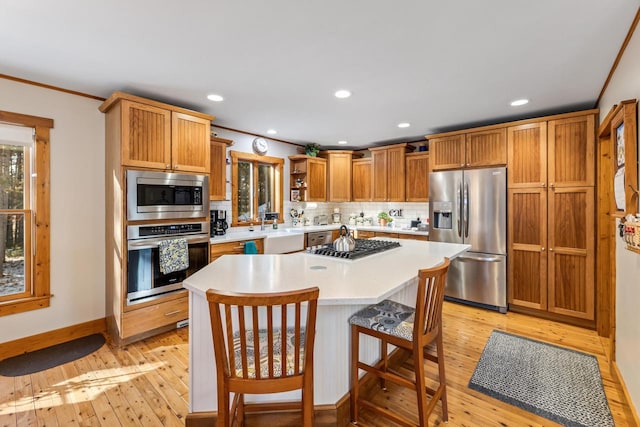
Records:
x=442, y=215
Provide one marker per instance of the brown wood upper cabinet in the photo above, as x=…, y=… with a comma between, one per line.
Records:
x=308, y=175
x=362, y=180
x=160, y=136
x=552, y=216
x=218, y=167
x=339, y=173
x=417, y=176
x=572, y=151
x=468, y=150
x=388, y=165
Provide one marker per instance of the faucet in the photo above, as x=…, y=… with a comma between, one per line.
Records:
x=262, y=225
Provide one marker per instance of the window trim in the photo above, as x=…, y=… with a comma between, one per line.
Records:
x=276, y=162
x=40, y=241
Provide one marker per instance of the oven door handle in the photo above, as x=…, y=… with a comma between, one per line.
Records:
x=153, y=243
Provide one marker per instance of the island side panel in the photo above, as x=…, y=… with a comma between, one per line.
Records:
x=331, y=356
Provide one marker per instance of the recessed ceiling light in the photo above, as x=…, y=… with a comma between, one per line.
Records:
x=519, y=102
x=342, y=93
x=272, y=132
x=404, y=125
x=342, y=142
x=215, y=98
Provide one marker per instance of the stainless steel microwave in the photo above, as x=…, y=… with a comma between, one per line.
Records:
x=165, y=195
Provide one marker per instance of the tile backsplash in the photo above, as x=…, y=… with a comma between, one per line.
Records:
x=410, y=211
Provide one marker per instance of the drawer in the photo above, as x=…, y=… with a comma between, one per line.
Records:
x=231, y=248
x=150, y=317
x=361, y=234
x=414, y=237
x=384, y=234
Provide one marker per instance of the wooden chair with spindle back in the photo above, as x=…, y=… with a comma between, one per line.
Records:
x=278, y=358
x=411, y=329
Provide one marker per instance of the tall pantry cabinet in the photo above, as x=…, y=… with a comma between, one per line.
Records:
x=551, y=199
x=147, y=135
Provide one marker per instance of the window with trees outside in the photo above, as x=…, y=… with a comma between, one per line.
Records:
x=257, y=184
x=24, y=212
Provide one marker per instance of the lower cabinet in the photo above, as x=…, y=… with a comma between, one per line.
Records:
x=233, y=248
x=155, y=316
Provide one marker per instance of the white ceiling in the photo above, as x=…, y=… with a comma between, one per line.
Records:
x=439, y=65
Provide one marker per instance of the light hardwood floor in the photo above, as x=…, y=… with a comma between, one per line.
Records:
x=146, y=383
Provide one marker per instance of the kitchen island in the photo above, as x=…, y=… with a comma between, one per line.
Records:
x=346, y=286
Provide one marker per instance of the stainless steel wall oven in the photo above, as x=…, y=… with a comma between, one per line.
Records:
x=145, y=281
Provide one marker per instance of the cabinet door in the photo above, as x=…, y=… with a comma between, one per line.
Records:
x=379, y=161
x=396, y=174
x=572, y=152
x=190, y=138
x=218, y=168
x=447, y=152
x=146, y=136
x=317, y=180
x=527, y=248
x=571, y=252
x=488, y=148
x=527, y=156
x=339, y=181
x=361, y=182
x=417, y=177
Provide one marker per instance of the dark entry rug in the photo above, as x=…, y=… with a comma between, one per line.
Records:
x=49, y=357
x=562, y=385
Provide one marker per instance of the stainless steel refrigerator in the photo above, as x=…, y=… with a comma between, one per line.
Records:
x=470, y=206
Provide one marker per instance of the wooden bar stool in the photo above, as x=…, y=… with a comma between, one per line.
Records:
x=263, y=343
x=408, y=328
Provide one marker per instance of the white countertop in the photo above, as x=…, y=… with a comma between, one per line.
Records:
x=362, y=281
x=258, y=234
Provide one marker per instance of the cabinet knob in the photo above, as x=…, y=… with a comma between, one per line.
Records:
x=542, y=249
x=461, y=164
x=551, y=185
x=542, y=185
x=550, y=249
x=168, y=166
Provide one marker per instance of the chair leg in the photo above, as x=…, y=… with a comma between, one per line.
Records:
x=354, y=373
x=240, y=411
x=307, y=400
x=384, y=357
x=223, y=408
x=442, y=378
x=421, y=394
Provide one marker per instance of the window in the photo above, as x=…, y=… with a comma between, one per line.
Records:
x=24, y=212
x=256, y=187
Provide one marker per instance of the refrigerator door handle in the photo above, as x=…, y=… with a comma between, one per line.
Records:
x=480, y=259
x=466, y=210
x=459, y=191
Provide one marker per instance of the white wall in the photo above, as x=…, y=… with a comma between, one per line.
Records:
x=625, y=84
x=77, y=208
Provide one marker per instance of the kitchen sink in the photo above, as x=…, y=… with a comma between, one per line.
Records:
x=283, y=242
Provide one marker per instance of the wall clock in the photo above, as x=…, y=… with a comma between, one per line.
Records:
x=260, y=145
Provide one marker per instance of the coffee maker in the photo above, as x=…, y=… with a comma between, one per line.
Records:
x=219, y=223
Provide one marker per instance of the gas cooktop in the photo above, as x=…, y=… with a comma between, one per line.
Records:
x=364, y=247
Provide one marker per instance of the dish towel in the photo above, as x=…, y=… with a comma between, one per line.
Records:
x=174, y=255
x=250, y=247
